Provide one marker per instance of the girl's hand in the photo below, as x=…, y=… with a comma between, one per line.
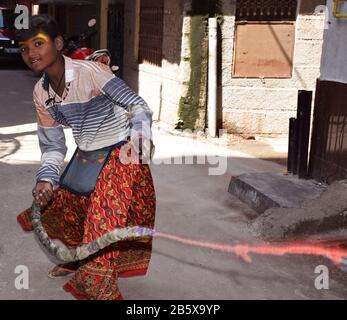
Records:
x=143, y=148
x=146, y=149
x=43, y=193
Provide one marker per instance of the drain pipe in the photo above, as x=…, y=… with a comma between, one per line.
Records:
x=212, y=77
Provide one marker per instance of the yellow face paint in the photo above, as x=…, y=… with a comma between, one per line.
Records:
x=40, y=35
x=43, y=37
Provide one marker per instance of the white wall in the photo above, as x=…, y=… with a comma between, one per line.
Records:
x=334, y=56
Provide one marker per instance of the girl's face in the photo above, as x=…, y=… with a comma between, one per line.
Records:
x=40, y=52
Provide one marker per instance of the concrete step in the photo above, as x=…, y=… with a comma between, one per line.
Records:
x=262, y=191
x=289, y=208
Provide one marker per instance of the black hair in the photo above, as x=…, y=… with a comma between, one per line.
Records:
x=39, y=23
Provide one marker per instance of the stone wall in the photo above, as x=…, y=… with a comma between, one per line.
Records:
x=264, y=106
x=253, y=106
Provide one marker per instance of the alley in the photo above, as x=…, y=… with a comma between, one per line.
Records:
x=191, y=204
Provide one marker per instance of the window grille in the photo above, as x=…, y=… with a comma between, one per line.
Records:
x=151, y=32
x=266, y=10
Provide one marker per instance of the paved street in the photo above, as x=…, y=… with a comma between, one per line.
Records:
x=190, y=204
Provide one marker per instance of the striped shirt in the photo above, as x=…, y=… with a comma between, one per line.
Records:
x=100, y=108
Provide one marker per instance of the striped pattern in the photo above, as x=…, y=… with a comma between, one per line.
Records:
x=48, y=173
x=100, y=108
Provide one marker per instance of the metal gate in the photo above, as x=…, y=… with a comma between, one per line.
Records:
x=328, y=160
x=151, y=32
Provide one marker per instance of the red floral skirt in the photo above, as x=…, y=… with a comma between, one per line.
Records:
x=124, y=196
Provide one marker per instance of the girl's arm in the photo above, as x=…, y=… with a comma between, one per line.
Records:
x=52, y=144
x=119, y=92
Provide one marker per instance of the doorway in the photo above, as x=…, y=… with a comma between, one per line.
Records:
x=116, y=36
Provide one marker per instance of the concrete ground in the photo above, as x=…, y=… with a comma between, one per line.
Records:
x=191, y=203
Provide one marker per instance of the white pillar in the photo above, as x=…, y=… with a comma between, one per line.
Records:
x=212, y=77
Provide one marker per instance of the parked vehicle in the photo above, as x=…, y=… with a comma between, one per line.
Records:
x=75, y=48
x=9, y=49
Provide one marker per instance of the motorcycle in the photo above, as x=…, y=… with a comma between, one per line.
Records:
x=75, y=49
